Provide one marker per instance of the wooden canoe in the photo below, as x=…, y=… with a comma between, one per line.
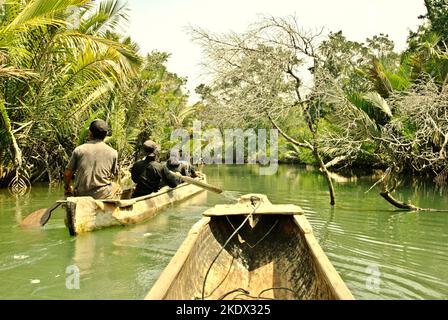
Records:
x=274, y=255
x=85, y=214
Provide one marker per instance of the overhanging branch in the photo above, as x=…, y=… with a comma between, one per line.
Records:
x=289, y=138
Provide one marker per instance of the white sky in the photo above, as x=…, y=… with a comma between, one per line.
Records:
x=160, y=24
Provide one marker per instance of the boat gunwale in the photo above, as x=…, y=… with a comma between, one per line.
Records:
x=327, y=270
x=72, y=202
x=129, y=202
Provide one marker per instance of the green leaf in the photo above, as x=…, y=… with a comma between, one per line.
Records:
x=378, y=102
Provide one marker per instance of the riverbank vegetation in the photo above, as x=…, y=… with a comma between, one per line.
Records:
x=64, y=63
x=347, y=103
x=337, y=103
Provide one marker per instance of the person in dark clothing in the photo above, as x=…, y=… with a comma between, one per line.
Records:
x=183, y=167
x=149, y=174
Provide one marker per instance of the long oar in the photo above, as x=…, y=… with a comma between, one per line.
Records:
x=198, y=183
x=39, y=217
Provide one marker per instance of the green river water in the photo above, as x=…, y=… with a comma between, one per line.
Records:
x=380, y=253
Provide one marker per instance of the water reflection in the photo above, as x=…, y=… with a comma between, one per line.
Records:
x=362, y=235
x=85, y=252
x=93, y=250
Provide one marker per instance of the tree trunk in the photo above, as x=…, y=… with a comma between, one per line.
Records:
x=6, y=124
x=405, y=206
x=322, y=166
x=324, y=170
x=399, y=204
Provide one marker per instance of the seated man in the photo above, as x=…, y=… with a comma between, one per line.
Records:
x=149, y=174
x=183, y=167
x=94, y=163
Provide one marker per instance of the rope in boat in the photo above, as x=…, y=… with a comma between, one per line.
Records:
x=223, y=246
x=275, y=288
x=246, y=293
x=262, y=238
x=224, y=279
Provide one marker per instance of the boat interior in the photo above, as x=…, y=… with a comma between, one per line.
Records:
x=268, y=258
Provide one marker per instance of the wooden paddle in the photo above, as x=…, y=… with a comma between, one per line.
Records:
x=39, y=217
x=198, y=183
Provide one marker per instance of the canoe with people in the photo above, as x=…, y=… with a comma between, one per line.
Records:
x=93, y=201
x=250, y=250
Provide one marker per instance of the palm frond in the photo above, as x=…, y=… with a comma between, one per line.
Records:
x=377, y=101
x=91, y=65
x=109, y=15
x=8, y=71
x=93, y=97
x=41, y=12
x=130, y=59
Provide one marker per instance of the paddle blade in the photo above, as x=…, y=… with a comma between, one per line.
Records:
x=45, y=217
x=33, y=220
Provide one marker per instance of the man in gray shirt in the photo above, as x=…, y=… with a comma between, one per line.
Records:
x=93, y=164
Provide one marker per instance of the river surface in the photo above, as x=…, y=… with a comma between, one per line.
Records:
x=380, y=253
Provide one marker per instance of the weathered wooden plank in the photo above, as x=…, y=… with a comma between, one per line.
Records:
x=244, y=209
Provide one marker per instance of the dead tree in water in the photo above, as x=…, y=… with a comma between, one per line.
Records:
x=260, y=77
x=390, y=184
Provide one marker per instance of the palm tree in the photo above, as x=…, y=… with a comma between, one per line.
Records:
x=54, y=77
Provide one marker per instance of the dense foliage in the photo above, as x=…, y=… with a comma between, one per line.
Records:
x=350, y=103
x=336, y=102
x=64, y=63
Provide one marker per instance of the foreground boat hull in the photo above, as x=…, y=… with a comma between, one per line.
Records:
x=85, y=214
x=277, y=257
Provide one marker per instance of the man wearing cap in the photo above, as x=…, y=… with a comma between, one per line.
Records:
x=149, y=174
x=183, y=167
x=93, y=164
